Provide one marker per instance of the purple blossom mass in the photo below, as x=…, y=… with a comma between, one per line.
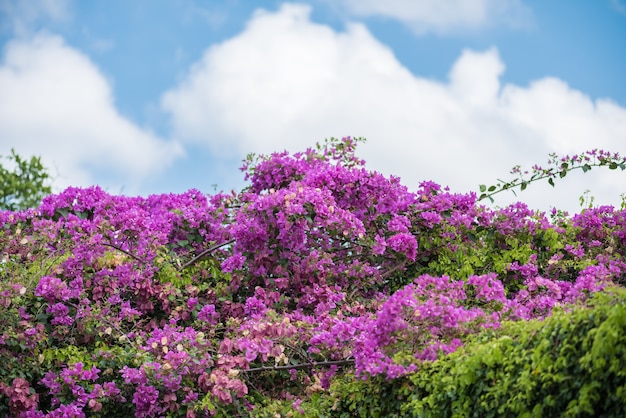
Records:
x=194, y=305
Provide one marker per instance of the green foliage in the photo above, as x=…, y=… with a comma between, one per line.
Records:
x=347, y=397
x=570, y=364
x=25, y=185
x=461, y=251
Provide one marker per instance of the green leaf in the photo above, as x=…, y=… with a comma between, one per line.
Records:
x=84, y=214
x=482, y=188
x=551, y=181
x=42, y=318
x=62, y=212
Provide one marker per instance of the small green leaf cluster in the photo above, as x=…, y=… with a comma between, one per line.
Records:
x=480, y=247
x=347, y=397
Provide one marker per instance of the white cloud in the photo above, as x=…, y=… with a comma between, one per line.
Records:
x=56, y=104
x=23, y=15
x=282, y=70
x=443, y=15
x=286, y=82
x=212, y=14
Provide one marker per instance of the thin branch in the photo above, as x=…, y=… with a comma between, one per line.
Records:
x=205, y=253
x=560, y=169
x=300, y=366
x=395, y=268
x=125, y=252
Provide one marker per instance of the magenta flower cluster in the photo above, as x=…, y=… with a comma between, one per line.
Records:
x=194, y=305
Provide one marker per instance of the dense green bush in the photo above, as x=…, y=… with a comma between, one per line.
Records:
x=571, y=364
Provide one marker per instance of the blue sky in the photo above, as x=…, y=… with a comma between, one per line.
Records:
x=156, y=96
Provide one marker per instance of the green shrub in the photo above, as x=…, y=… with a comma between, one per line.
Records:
x=571, y=364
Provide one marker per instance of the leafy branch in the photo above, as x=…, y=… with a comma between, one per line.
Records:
x=558, y=167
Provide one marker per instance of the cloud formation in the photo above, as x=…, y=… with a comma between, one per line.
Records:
x=22, y=15
x=442, y=16
x=286, y=82
x=55, y=103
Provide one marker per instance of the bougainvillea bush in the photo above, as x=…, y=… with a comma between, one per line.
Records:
x=320, y=277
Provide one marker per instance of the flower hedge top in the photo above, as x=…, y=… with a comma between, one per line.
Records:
x=194, y=305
